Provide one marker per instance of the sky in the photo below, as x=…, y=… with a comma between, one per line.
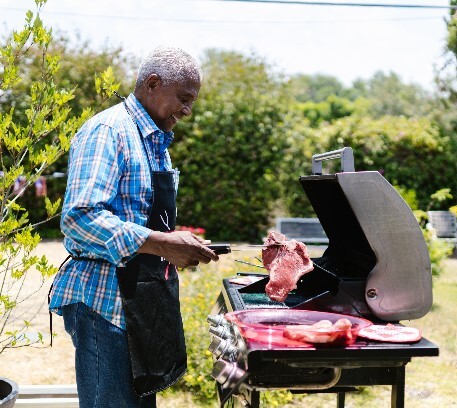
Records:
x=342, y=41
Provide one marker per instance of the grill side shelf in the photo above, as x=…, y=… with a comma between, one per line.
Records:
x=233, y=300
x=358, y=353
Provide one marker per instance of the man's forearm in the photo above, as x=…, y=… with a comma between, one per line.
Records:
x=181, y=248
x=154, y=244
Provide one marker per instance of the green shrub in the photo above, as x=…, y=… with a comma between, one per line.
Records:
x=438, y=250
x=230, y=151
x=410, y=152
x=199, y=289
x=453, y=210
x=199, y=292
x=37, y=210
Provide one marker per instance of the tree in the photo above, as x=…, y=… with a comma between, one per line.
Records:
x=304, y=141
x=445, y=109
x=447, y=78
x=329, y=110
x=409, y=152
x=389, y=96
x=78, y=66
x=315, y=88
x=231, y=149
x=34, y=133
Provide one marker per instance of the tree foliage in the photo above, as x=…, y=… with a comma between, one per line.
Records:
x=392, y=127
x=35, y=130
x=327, y=111
x=231, y=150
x=409, y=152
x=445, y=108
x=253, y=132
x=315, y=88
x=382, y=94
x=78, y=67
x=388, y=95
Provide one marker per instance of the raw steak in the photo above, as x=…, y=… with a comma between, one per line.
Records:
x=391, y=333
x=286, y=261
x=321, y=332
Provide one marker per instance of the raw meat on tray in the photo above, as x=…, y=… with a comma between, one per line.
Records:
x=322, y=332
x=286, y=261
x=391, y=333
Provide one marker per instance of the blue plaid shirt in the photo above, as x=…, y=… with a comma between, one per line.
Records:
x=108, y=197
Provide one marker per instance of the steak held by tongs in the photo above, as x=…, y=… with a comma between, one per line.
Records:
x=286, y=261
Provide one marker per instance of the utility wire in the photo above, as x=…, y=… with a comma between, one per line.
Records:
x=330, y=3
x=218, y=21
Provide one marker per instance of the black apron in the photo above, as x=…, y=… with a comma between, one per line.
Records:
x=149, y=287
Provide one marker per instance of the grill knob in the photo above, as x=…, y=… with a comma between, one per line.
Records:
x=226, y=373
x=230, y=353
x=223, y=332
x=372, y=293
x=217, y=320
x=214, y=346
x=223, y=348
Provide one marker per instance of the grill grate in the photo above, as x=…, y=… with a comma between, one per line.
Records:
x=261, y=300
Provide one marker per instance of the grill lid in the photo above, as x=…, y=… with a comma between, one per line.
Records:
x=374, y=237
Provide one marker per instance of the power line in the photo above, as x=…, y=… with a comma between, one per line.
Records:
x=329, y=3
x=217, y=21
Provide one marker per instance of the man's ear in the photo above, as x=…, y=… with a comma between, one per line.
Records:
x=152, y=82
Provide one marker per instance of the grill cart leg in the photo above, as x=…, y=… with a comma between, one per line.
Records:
x=255, y=400
x=340, y=399
x=245, y=399
x=398, y=389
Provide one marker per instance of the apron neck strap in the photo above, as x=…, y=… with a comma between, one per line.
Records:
x=143, y=142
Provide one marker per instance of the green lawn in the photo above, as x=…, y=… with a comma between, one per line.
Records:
x=430, y=381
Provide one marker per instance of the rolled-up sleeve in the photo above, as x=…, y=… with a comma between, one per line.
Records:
x=91, y=216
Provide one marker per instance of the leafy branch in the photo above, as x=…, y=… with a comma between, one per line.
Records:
x=27, y=148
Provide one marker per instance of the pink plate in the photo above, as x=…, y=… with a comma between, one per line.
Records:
x=284, y=327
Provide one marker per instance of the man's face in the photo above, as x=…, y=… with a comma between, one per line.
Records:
x=166, y=104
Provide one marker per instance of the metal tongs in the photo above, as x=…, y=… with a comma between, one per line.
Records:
x=221, y=249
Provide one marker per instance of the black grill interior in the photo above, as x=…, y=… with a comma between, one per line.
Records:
x=349, y=254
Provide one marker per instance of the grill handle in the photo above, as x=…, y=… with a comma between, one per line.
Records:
x=346, y=155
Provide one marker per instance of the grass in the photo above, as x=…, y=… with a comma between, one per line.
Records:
x=430, y=381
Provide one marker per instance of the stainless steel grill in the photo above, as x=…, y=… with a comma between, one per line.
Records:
x=376, y=266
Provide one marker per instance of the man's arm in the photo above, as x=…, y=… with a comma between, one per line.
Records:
x=181, y=248
x=96, y=164
x=95, y=167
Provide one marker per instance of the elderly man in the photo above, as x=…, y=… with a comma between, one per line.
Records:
x=119, y=292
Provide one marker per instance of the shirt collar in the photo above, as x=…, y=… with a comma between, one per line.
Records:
x=145, y=123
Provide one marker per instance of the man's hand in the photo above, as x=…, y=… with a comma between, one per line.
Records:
x=180, y=248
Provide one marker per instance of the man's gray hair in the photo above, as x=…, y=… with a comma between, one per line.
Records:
x=171, y=64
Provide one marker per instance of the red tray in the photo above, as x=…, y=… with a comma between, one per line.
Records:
x=268, y=326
